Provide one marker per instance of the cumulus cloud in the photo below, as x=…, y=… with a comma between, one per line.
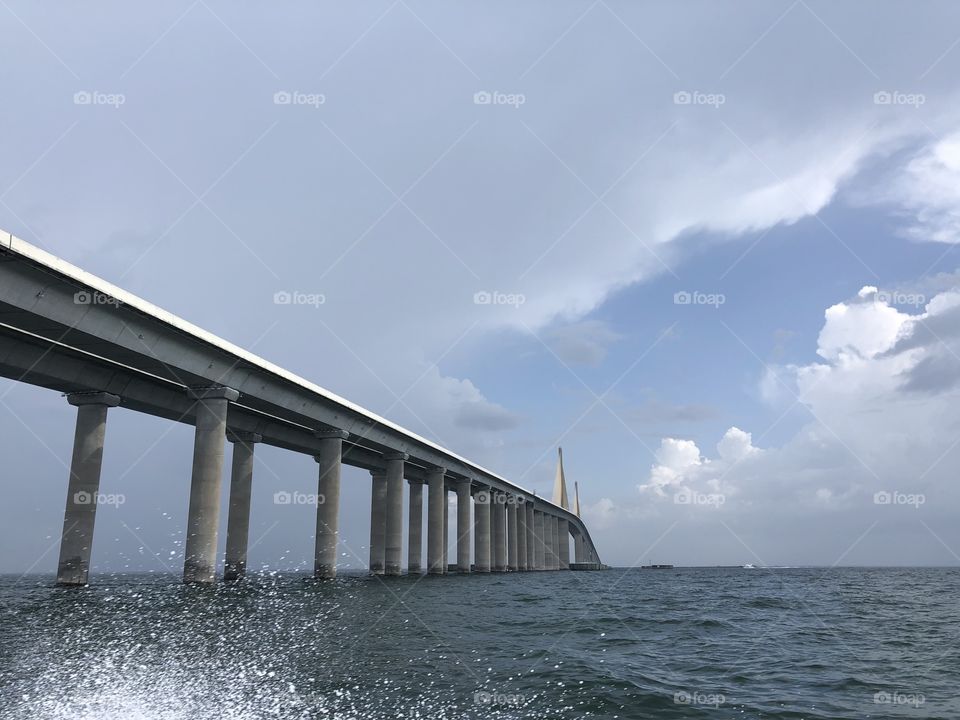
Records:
x=681, y=467
x=929, y=192
x=676, y=459
x=868, y=431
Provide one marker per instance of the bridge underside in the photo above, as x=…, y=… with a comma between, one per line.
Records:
x=70, y=332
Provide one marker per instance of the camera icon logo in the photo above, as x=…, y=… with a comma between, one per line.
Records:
x=683, y=497
x=282, y=498
x=682, y=98
x=282, y=97
x=482, y=98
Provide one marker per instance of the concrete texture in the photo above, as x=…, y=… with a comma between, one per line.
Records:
x=83, y=486
x=203, y=517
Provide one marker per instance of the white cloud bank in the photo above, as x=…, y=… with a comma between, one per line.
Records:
x=884, y=418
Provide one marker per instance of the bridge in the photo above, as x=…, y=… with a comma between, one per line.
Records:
x=64, y=329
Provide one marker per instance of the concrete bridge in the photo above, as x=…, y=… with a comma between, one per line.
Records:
x=64, y=329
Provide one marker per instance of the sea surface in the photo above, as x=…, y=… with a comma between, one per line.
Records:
x=685, y=643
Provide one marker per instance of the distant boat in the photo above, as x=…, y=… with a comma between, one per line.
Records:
x=656, y=567
x=749, y=566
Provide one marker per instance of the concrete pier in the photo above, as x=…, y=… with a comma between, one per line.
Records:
x=393, y=541
x=498, y=529
x=554, y=544
x=415, y=528
x=436, y=496
x=563, y=540
x=200, y=553
x=521, y=535
x=531, y=538
x=481, y=508
x=328, y=457
x=238, y=518
x=446, y=529
x=378, y=521
x=83, y=486
x=512, y=527
x=463, y=526
x=539, y=540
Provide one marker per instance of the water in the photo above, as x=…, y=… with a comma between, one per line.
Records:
x=717, y=643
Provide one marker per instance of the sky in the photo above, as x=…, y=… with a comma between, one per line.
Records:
x=707, y=249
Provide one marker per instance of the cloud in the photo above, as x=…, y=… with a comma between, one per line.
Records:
x=736, y=445
x=583, y=343
x=676, y=460
x=484, y=415
x=867, y=433
x=601, y=514
x=928, y=192
x=863, y=329
x=460, y=402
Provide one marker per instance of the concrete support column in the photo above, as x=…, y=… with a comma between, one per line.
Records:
x=435, y=509
x=394, y=524
x=512, y=545
x=463, y=526
x=554, y=544
x=446, y=529
x=522, y=534
x=498, y=529
x=378, y=521
x=538, y=542
x=83, y=486
x=328, y=457
x=415, y=528
x=547, y=542
x=548, y=545
x=531, y=538
x=481, y=508
x=238, y=519
x=563, y=540
x=203, y=519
